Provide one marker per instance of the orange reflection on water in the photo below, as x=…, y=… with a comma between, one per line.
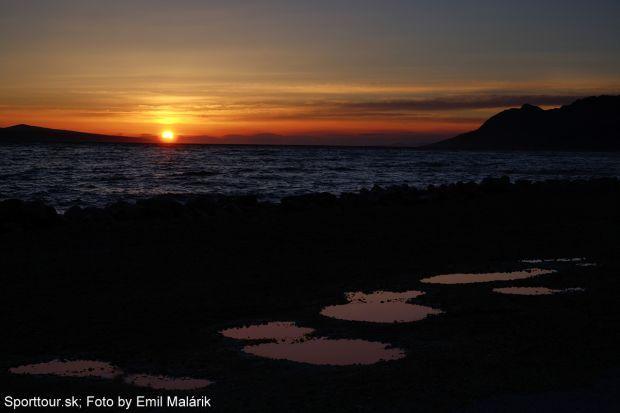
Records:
x=380, y=307
x=75, y=368
x=486, y=277
x=324, y=351
x=534, y=290
x=166, y=382
x=277, y=330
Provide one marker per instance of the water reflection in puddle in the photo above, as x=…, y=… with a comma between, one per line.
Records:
x=380, y=307
x=103, y=370
x=541, y=260
x=166, y=383
x=534, y=290
x=486, y=277
x=75, y=368
x=277, y=330
x=324, y=351
x=382, y=296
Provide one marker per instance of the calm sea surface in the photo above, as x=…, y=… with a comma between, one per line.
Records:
x=97, y=174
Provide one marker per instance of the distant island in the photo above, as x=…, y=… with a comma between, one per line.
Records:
x=589, y=124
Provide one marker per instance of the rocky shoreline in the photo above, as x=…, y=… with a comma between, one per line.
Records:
x=38, y=213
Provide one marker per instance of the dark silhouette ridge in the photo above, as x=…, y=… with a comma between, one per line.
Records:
x=34, y=134
x=589, y=124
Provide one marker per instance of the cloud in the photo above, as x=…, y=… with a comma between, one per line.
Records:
x=459, y=103
x=413, y=109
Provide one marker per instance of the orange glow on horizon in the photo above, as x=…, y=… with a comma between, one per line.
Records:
x=235, y=123
x=287, y=109
x=167, y=136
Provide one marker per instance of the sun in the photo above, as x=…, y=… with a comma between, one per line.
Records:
x=167, y=136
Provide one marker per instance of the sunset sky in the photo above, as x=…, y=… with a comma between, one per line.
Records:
x=202, y=67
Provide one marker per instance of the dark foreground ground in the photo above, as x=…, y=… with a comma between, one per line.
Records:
x=149, y=286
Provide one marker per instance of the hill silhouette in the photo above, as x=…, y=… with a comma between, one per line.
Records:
x=589, y=124
x=32, y=134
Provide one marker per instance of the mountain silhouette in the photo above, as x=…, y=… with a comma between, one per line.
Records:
x=35, y=134
x=589, y=124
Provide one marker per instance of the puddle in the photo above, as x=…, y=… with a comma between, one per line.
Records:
x=534, y=290
x=390, y=312
x=486, y=277
x=75, y=368
x=541, y=260
x=324, y=351
x=382, y=296
x=277, y=330
x=166, y=382
x=293, y=344
x=380, y=307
